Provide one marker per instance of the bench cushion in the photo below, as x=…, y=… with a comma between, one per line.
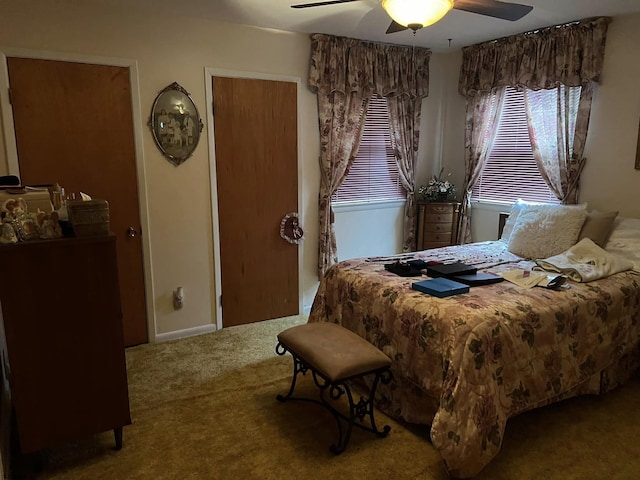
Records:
x=333, y=351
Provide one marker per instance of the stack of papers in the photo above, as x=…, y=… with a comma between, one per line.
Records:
x=531, y=278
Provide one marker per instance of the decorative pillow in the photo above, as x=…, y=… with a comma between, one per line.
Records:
x=515, y=210
x=597, y=227
x=511, y=220
x=624, y=240
x=543, y=231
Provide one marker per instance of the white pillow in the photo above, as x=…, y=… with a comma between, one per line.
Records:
x=624, y=240
x=543, y=231
x=511, y=220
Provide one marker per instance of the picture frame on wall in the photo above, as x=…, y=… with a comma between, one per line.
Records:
x=175, y=123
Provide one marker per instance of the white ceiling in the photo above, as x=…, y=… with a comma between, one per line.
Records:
x=365, y=19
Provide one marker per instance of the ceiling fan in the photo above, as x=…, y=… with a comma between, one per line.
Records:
x=416, y=14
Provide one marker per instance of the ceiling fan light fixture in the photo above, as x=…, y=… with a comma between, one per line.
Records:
x=417, y=13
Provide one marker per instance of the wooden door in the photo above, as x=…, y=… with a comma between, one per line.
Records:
x=255, y=124
x=74, y=126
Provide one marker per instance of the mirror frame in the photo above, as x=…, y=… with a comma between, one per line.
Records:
x=174, y=104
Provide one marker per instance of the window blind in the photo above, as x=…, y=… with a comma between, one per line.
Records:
x=374, y=174
x=511, y=171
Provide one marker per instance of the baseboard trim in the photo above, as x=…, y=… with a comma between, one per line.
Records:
x=187, y=332
x=192, y=332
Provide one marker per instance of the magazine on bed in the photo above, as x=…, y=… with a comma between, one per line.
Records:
x=450, y=269
x=477, y=279
x=440, y=287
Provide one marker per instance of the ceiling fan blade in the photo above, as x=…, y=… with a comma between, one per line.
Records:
x=395, y=27
x=494, y=8
x=320, y=4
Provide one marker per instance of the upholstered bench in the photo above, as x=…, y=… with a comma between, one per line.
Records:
x=335, y=355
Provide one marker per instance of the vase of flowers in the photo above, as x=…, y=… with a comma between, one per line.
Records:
x=439, y=189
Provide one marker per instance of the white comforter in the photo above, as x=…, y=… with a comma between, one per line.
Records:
x=585, y=262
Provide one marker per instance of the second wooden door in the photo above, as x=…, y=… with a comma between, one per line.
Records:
x=255, y=124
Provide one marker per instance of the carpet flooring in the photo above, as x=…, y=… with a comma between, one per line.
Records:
x=204, y=408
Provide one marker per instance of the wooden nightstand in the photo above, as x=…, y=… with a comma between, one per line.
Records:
x=437, y=224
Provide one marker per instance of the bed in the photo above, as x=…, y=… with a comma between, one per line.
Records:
x=467, y=363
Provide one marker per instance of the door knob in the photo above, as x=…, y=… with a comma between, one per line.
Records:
x=132, y=232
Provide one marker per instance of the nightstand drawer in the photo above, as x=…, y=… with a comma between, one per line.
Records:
x=439, y=208
x=428, y=245
x=438, y=237
x=438, y=218
x=438, y=227
x=437, y=224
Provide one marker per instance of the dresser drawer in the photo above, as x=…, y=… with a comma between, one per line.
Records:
x=438, y=237
x=438, y=218
x=438, y=228
x=437, y=224
x=438, y=208
x=428, y=245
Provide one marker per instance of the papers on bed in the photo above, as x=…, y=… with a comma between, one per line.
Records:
x=585, y=262
x=530, y=279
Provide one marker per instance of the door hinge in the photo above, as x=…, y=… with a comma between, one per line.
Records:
x=220, y=301
x=10, y=96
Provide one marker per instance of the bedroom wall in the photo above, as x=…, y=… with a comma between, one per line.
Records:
x=609, y=180
x=169, y=49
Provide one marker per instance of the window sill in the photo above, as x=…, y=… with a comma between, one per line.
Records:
x=342, y=207
x=491, y=205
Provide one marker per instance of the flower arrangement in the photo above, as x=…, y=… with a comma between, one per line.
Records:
x=438, y=189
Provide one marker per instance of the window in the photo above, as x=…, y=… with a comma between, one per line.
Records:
x=374, y=174
x=511, y=171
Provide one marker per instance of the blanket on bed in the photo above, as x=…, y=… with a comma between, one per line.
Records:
x=467, y=363
x=585, y=262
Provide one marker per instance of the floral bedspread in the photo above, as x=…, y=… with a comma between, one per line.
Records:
x=466, y=363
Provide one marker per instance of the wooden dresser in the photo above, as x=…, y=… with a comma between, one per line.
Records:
x=437, y=224
x=64, y=373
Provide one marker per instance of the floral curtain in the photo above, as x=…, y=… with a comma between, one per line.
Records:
x=345, y=73
x=483, y=117
x=340, y=64
x=404, y=119
x=558, y=121
x=341, y=118
x=570, y=55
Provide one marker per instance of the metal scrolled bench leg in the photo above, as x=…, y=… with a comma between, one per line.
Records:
x=331, y=373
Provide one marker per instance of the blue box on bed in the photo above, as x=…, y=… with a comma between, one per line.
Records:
x=440, y=287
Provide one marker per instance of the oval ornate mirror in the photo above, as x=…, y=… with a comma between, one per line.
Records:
x=175, y=123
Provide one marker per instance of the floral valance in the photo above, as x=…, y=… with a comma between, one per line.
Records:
x=570, y=54
x=340, y=64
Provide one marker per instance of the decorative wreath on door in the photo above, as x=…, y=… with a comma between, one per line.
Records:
x=290, y=228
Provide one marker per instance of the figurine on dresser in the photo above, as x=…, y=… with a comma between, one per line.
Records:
x=7, y=232
x=49, y=225
x=18, y=224
x=11, y=212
